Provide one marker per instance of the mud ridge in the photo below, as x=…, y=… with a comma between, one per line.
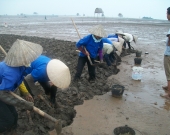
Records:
x=66, y=99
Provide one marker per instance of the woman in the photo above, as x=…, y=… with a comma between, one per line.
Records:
x=38, y=73
x=11, y=76
x=91, y=45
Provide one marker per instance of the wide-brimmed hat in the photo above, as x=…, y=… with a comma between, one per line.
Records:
x=98, y=30
x=119, y=32
x=118, y=53
x=58, y=73
x=168, y=33
x=22, y=53
x=118, y=45
x=135, y=38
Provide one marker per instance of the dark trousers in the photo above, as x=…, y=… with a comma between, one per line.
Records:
x=124, y=44
x=81, y=63
x=109, y=58
x=49, y=90
x=52, y=90
x=8, y=117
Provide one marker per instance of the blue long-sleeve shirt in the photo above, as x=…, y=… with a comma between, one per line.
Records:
x=92, y=47
x=113, y=36
x=38, y=69
x=106, y=40
x=10, y=77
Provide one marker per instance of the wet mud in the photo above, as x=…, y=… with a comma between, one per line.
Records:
x=66, y=99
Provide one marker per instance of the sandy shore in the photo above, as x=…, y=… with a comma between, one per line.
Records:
x=141, y=106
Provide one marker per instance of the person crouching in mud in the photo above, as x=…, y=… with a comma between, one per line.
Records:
x=109, y=56
x=12, y=73
x=38, y=72
x=93, y=44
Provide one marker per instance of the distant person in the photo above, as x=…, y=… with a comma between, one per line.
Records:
x=45, y=18
x=167, y=60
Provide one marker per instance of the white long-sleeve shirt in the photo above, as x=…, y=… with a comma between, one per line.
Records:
x=107, y=48
x=128, y=37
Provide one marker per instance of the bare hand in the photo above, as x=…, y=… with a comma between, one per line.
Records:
x=28, y=97
x=87, y=53
x=169, y=41
x=101, y=61
x=51, y=84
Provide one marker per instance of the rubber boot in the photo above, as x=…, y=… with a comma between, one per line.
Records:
x=76, y=79
x=115, y=70
x=91, y=79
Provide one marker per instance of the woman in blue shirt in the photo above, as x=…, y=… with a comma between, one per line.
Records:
x=38, y=73
x=11, y=76
x=10, y=79
x=93, y=44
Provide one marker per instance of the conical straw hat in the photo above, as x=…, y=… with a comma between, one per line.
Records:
x=118, y=53
x=118, y=45
x=22, y=53
x=58, y=73
x=119, y=32
x=98, y=30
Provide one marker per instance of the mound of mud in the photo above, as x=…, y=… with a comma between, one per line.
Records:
x=66, y=99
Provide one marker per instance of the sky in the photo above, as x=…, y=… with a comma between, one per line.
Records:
x=129, y=8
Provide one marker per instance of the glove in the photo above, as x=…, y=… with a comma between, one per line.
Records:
x=24, y=92
x=23, y=89
x=7, y=98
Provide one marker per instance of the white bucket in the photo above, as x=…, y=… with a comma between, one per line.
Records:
x=137, y=73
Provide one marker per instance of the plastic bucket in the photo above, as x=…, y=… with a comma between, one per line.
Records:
x=137, y=73
x=138, y=53
x=124, y=130
x=137, y=61
x=117, y=90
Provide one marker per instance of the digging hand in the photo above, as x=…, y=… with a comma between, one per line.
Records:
x=28, y=97
x=6, y=97
x=87, y=53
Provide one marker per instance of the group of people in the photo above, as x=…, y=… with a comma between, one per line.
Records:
x=29, y=66
x=97, y=45
x=22, y=70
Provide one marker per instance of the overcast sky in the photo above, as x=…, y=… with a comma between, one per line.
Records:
x=129, y=8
